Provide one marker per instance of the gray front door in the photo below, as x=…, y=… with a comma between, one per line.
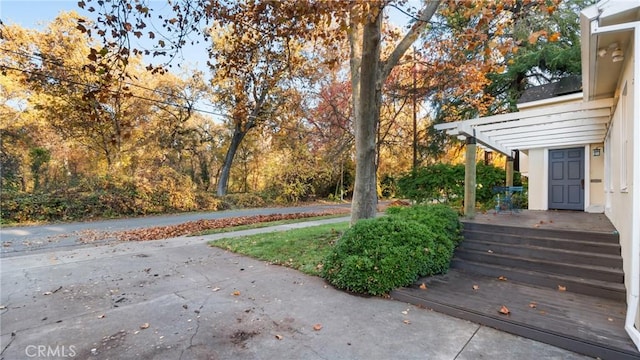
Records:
x=566, y=179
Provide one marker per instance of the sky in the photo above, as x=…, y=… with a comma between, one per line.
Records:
x=29, y=13
x=36, y=14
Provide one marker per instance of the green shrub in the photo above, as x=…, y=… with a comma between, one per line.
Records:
x=438, y=182
x=377, y=255
x=441, y=219
x=444, y=183
x=443, y=223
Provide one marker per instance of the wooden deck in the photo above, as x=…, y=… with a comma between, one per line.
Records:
x=551, y=219
x=586, y=324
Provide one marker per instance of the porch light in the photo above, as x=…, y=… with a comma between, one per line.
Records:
x=616, y=52
x=596, y=152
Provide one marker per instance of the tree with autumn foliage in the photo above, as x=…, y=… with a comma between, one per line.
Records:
x=477, y=23
x=253, y=66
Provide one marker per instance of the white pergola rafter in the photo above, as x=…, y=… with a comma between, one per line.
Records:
x=570, y=124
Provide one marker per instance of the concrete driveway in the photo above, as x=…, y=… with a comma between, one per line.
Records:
x=181, y=299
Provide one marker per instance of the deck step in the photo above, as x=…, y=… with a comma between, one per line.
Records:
x=615, y=275
x=575, y=284
x=545, y=253
x=604, y=237
x=599, y=247
x=589, y=325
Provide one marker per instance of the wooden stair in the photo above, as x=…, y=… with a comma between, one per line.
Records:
x=564, y=287
x=582, y=262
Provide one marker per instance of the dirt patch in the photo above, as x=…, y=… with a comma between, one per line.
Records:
x=240, y=337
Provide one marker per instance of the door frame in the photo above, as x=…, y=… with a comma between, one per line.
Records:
x=587, y=175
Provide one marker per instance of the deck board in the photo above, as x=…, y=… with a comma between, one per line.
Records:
x=580, y=318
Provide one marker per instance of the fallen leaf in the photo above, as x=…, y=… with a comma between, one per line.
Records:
x=101, y=316
x=407, y=322
x=405, y=312
x=236, y=293
x=502, y=278
x=191, y=227
x=562, y=288
x=423, y=286
x=504, y=310
x=475, y=287
x=317, y=327
x=47, y=293
x=215, y=289
x=533, y=305
x=144, y=326
x=279, y=337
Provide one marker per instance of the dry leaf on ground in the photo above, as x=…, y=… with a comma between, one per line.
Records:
x=279, y=337
x=191, y=227
x=504, y=310
x=475, y=287
x=562, y=288
x=144, y=326
x=317, y=327
x=502, y=278
x=236, y=293
x=423, y=286
x=407, y=322
x=533, y=305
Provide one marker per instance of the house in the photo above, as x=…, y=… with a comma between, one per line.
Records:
x=581, y=151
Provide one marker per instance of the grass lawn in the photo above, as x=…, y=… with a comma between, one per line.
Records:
x=301, y=249
x=265, y=224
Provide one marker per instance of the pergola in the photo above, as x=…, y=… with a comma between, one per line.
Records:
x=577, y=123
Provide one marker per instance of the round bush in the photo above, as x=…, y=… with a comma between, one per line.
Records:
x=378, y=255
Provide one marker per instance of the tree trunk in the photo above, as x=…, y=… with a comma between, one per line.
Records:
x=223, y=180
x=369, y=73
x=365, y=196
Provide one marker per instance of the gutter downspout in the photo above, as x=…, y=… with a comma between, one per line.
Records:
x=633, y=295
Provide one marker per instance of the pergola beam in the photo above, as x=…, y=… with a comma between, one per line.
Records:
x=586, y=118
x=483, y=139
x=521, y=115
x=600, y=133
x=541, y=130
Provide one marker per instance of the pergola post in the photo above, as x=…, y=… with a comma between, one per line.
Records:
x=470, y=178
x=509, y=170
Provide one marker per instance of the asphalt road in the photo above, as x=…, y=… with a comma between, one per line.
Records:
x=34, y=239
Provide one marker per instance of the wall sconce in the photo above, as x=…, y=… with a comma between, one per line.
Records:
x=616, y=52
x=617, y=55
x=596, y=152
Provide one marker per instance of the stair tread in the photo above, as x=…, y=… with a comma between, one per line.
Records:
x=508, y=269
x=468, y=225
x=616, y=244
x=546, y=248
x=525, y=259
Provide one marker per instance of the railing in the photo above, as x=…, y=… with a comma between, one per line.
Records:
x=508, y=199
